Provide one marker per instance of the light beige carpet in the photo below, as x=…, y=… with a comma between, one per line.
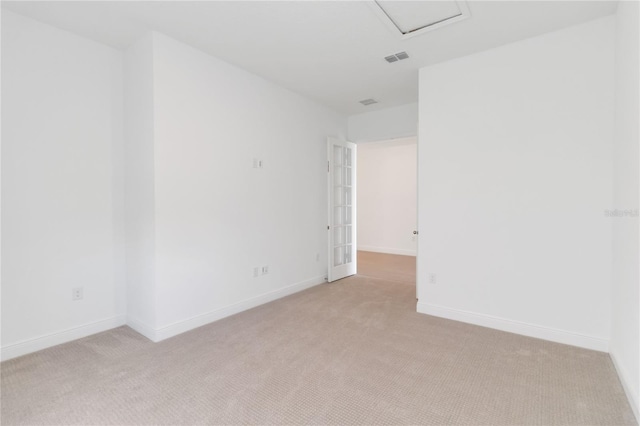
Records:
x=350, y=352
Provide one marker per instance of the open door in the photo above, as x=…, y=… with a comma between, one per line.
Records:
x=342, y=209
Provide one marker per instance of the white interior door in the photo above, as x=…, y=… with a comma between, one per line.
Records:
x=342, y=209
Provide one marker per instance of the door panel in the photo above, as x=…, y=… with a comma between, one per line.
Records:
x=342, y=209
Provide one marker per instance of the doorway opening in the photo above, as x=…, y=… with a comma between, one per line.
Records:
x=387, y=199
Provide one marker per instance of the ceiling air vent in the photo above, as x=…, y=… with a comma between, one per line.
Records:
x=366, y=102
x=397, y=57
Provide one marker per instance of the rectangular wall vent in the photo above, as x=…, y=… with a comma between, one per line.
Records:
x=391, y=58
x=368, y=102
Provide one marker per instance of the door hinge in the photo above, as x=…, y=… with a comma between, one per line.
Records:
x=328, y=167
x=328, y=227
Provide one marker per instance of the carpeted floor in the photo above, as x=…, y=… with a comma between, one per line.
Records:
x=350, y=352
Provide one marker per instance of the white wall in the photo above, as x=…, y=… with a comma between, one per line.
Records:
x=216, y=217
x=515, y=174
x=198, y=216
x=61, y=186
x=139, y=189
x=625, y=321
x=387, y=196
x=383, y=124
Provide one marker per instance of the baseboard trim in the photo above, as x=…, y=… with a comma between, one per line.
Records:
x=28, y=346
x=388, y=250
x=141, y=328
x=632, y=396
x=517, y=327
x=217, y=314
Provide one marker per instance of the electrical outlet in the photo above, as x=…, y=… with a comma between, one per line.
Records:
x=265, y=270
x=256, y=271
x=77, y=293
x=432, y=278
x=257, y=163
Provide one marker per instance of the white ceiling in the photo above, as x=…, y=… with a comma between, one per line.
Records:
x=331, y=51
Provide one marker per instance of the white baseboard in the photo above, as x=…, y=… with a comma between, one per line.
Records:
x=525, y=329
x=388, y=250
x=632, y=396
x=180, y=327
x=142, y=328
x=42, y=342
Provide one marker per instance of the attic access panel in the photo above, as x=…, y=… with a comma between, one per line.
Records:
x=412, y=18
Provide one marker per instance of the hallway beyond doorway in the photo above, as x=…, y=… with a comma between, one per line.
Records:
x=391, y=267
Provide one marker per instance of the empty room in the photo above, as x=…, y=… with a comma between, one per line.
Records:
x=320, y=212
